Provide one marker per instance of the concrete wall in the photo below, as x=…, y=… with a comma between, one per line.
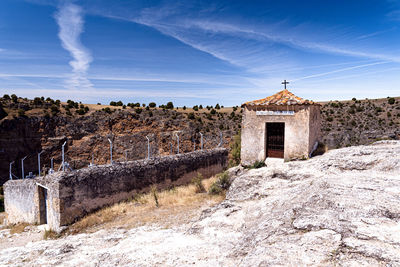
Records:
x=19, y=201
x=299, y=132
x=74, y=194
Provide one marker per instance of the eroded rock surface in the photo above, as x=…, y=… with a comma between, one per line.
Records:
x=339, y=209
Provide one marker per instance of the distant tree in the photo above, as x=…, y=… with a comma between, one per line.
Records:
x=152, y=105
x=6, y=97
x=119, y=103
x=81, y=106
x=184, y=108
x=37, y=101
x=138, y=110
x=14, y=98
x=201, y=107
x=107, y=110
x=54, y=110
x=213, y=111
x=86, y=109
x=196, y=108
x=217, y=106
x=58, y=102
x=391, y=100
x=113, y=103
x=124, y=106
x=170, y=105
x=222, y=106
x=99, y=104
x=48, y=99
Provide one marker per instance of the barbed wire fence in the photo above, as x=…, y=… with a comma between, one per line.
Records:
x=113, y=148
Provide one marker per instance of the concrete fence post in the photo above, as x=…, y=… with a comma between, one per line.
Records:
x=39, y=162
x=62, y=155
x=22, y=163
x=111, y=146
x=201, y=140
x=11, y=163
x=148, y=147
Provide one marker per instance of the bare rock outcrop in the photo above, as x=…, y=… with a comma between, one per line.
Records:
x=338, y=209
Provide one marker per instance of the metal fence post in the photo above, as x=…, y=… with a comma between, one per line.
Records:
x=39, y=161
x=111, y=146
x=22, y=163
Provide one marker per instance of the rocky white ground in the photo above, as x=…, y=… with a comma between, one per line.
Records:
x=339, y=209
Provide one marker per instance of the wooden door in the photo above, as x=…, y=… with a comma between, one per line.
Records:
x=275, y=135
x=42, y=205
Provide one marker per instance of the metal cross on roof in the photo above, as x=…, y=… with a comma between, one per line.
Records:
x=284, y=83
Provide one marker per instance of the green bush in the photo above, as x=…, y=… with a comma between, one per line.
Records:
x=221, y=185
x=138, y=110
x=213, y=111
x=152, y=104
x=391, y=100
x=197, y=182
x=235, y=149
x=191, y=116
x=169, y=105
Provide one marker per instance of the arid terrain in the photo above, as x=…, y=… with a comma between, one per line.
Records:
x=338, y=209
x=30, y=126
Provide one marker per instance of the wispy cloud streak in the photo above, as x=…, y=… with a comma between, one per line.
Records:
x=70, y=21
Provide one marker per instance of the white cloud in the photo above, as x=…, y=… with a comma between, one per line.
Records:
x=70, y=21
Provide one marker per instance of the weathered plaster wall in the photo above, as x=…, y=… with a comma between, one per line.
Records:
x=297, y=133
x=19, y=201
x=74, y=194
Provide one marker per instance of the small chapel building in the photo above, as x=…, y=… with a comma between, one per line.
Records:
x=279, y=126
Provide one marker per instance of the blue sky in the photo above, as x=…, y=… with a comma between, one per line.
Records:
x=199, y=52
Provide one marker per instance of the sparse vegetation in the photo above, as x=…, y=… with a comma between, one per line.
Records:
x=221, y=185
x=198, y=182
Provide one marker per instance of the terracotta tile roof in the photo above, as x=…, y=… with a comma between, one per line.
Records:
x=281, y=98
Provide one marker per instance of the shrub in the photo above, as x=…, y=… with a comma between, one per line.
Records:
x=37, y=101
x=138, y=110
x=21, y=112
x=169, y=105
x=54, y=110
x=191, y=116
x=99, y=103
x=196, y=108
x=201, y=107
x=221, y=185
x=6, y=97
x=389, y=114
x=354, y=99
x=258, y=164
x=235, y=149
x=152, y=104
x=391, y=100
x=154, y=193
x=113, y=103
x=107, y=110
x=184, y=107
x=217, y=106
x=329, y=119
x=3, y=113
x=197, y=181
x=213, y=111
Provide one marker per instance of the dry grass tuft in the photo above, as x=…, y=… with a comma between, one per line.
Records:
x=18, y=228
x=50, y=234
x=176, y=206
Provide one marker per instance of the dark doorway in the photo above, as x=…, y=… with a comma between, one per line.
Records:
x=42, y=205
x=275, y=135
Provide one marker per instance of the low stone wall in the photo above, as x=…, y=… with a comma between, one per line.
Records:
x=71, y=195
x=19, y=201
